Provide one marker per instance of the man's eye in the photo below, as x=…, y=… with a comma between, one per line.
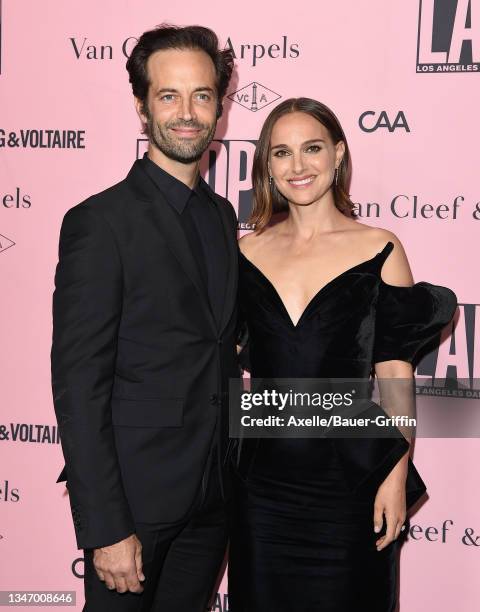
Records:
x=204, y=97
x=168, y=97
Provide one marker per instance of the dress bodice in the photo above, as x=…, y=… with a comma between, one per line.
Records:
x=353, y=322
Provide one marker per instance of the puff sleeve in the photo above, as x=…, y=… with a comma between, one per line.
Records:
x=409, y=318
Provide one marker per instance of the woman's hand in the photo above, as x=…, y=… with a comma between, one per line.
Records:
x=391, y=505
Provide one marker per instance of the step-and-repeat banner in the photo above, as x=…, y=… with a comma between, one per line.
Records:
x=403, y=77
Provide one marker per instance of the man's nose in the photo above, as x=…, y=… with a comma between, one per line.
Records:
x=186, y=111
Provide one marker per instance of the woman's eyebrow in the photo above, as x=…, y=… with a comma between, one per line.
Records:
x=284, y=146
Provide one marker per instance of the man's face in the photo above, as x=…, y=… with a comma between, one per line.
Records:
x=181, y=109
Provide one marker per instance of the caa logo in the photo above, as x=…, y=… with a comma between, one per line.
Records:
x=254, y=96
x=448, y=36
x=226, y=166
x=368, y=121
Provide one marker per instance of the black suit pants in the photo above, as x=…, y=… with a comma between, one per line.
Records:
x=181, y=562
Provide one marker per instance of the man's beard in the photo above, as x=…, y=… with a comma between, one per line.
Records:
x=184, y=151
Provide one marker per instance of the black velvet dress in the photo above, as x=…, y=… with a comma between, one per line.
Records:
x=302, y=514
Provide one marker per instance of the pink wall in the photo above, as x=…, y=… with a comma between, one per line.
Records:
x=355, y=57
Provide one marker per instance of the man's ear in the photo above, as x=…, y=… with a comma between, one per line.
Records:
x=139, y=107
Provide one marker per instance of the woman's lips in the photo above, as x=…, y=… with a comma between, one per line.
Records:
x=301, y=181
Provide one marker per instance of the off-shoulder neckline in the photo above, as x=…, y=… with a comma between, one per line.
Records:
x=386, y=249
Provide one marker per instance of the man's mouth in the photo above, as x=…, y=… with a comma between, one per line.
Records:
x=186, y=132
x=301, y=181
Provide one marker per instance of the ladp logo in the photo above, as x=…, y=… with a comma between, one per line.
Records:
x=448, y=36
x=227, y=168
x=254, y=96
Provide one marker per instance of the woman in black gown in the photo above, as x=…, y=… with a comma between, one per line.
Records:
x=315, y=522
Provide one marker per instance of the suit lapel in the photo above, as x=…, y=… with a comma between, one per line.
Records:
x=230, y=293
x=169, y=225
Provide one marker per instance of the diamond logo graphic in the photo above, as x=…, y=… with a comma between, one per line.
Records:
x=254, y=96
x=5, y=243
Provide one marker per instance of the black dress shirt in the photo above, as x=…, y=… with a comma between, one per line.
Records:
x=203, y=228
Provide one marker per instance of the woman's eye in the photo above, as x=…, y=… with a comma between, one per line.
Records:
x=280, y=153
x=314, y=148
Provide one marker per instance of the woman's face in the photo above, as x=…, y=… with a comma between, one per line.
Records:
x=303, y=158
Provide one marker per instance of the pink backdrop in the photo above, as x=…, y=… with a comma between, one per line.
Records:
x=386, y=58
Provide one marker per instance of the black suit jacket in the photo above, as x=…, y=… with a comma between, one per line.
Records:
x=139, y=365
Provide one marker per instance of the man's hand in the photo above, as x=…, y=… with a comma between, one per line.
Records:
x=120, y=565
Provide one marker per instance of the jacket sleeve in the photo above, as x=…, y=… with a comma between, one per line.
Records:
x=87, y=304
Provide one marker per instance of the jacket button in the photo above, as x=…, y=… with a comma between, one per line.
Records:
x=213, y=398
x=219, y=341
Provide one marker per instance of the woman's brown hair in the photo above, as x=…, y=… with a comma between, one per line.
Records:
x=267, y=200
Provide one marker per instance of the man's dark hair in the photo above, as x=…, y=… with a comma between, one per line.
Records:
x=166, y=36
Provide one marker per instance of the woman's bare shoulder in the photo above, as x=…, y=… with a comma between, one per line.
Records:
x=396, y=269
x=376, y=238
x=250, y=243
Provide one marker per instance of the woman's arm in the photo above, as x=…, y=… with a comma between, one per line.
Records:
x=395, y=379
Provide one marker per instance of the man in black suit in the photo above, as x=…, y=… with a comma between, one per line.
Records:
x=144, y=321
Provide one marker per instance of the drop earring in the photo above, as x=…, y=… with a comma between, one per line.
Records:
x=336, y=176
x=270, y=180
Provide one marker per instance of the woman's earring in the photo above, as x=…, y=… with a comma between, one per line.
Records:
x=336, y=176
x=270, y=180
